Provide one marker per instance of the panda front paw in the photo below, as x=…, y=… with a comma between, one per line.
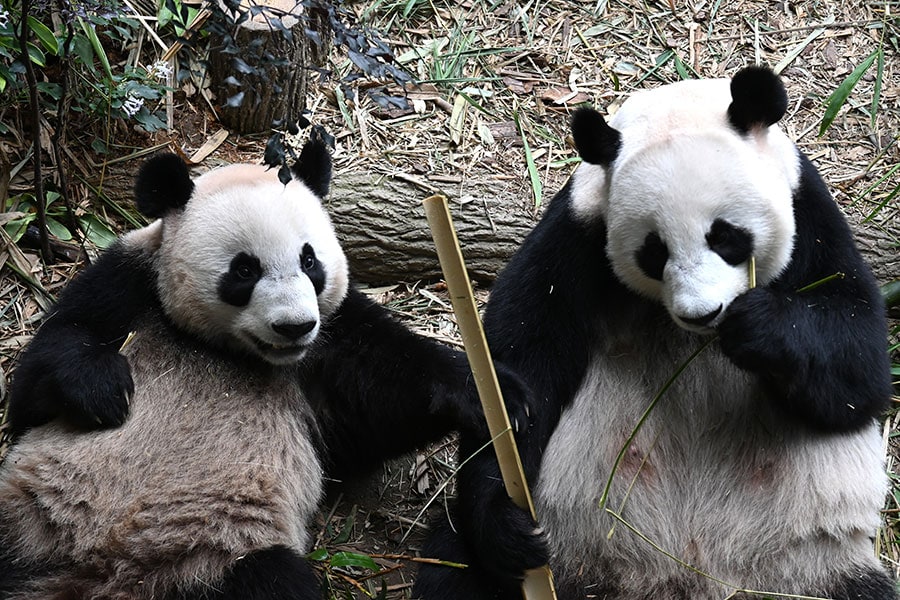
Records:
x=516, y=397
x=97, y=394
x=757, y=335
x=86, y=387
x=506, y=540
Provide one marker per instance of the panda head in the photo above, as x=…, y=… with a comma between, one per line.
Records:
x=691, y=180
x=243, y=261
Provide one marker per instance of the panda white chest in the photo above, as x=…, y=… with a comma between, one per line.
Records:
x=214, y=459
x=712, y=475
x=243, y=439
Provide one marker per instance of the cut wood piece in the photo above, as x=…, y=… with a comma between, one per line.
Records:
x=276, y=93
x=209, y=146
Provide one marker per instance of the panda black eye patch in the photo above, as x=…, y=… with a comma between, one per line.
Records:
x=236, y=285
x=652, y=256
x=732, y=243
x=313, y=268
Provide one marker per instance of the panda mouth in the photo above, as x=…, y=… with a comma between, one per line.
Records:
x=278, y=353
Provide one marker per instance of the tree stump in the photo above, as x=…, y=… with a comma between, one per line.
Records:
x=272, y=93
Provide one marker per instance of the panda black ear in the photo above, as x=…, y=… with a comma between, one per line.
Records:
x=597, y=143
x=758, y=99
x=163, y=184
x=314, y=166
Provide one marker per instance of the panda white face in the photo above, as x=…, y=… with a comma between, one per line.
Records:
x=687, y=199
x=251, y=264
x=689, y=241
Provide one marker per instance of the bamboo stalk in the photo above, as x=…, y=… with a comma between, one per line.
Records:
x=538, y=583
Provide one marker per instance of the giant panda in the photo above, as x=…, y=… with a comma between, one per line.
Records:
x=189, y=465
x=758, y=470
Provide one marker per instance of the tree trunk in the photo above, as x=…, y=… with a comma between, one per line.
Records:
x=879, y=249
x=382, y=227
x=270, y=93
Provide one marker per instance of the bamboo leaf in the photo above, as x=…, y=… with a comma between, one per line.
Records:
x=352, y=559
x=840, y=95
x=681, y=69
x=36, y=55
x=96, y=231
x=91, y=34
x=44, y=34
x=318, y=555
x=799, y=48
x=458, y=119
x=891, y=293
x=58, y=230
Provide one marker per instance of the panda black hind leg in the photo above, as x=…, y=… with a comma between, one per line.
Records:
x=866, y=585
x=452, y=582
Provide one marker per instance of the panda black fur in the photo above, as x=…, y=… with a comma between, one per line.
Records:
x=254, y=365
x=762, y=465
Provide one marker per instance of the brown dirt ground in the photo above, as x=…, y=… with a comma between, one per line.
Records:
x=532, y=60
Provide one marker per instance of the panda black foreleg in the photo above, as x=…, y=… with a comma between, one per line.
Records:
x=275, y=573
x=379, y=390
x=816, y=335
x=821, y=356
x=72, y=368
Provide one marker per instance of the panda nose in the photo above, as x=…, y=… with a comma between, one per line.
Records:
x=293, y=331
x=702, y=320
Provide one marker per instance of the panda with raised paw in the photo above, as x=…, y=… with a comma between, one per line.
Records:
x=189, y=466
x=758, y=470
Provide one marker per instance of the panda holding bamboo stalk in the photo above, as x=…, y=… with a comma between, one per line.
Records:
x=189, y=465
x=697, y=435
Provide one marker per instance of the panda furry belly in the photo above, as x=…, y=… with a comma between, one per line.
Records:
x=215, y=460
x=761, y=512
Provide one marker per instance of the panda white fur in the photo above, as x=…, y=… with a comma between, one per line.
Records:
x=761, y=467
x=252, y=368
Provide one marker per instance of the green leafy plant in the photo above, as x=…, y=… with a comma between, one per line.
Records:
x=57, y=77
x=74, y=66
x=23, y=209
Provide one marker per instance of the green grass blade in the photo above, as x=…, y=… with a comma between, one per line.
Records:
x=823, y=281
x=876, y=93
x=882, y=204
x=604, y=497
x=840, y=95
x=533, y=174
